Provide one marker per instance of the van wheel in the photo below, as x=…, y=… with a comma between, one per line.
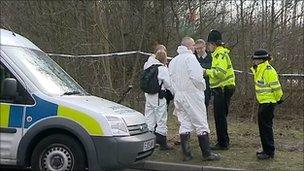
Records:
x=58, y=152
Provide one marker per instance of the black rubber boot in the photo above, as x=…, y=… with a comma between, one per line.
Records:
x=158, y=138
x=162, y=141
x=186, y=149
x=205, y=148
x=219, y=147
x=264, y=156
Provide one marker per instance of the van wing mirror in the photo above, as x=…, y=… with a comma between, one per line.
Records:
x=9, y=89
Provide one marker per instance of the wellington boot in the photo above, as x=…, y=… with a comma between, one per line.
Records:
x=186, y=149
x=205, y=148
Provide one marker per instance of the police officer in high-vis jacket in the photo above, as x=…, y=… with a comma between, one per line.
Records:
x=268, y=93
x=222, y=83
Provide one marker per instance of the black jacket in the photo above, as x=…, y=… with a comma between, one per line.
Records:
x=206, y=64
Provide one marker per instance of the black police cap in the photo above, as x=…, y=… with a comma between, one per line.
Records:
x=260, y=54
x=215, y=37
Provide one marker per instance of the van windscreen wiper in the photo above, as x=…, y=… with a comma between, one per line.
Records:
x=71, y=92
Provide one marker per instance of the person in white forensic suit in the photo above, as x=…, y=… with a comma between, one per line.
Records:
x=188, y=85
x=156, y=106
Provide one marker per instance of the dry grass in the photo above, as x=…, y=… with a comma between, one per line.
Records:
x=245, y=142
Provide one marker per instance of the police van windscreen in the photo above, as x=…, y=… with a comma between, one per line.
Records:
x=46, y=74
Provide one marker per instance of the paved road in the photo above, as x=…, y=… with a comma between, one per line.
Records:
x=10, y=168
x=156, y=166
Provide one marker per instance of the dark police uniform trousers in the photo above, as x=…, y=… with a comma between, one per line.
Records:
x=221, y=104
x=265, y=121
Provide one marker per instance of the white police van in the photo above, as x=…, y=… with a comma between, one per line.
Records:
x=48, y=122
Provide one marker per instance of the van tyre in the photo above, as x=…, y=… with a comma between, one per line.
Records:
x=58, y=152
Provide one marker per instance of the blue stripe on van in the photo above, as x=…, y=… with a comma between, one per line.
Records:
x=15, y=117
x=41, y=110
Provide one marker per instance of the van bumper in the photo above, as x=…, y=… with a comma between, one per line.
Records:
x=119, y=152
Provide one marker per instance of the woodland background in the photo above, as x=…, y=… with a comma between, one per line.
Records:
x=104, y=26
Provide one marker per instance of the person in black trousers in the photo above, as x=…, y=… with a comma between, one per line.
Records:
x=204, y=58
x=269, y=93
x=222, y=83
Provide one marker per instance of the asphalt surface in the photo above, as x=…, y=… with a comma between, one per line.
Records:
x=11, y=168
x=153, y=166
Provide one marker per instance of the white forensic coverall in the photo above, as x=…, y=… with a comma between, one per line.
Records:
x=188, y=84
x=155, y=108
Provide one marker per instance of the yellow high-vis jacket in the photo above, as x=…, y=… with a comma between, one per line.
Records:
x=267, y=86
x=221, y=73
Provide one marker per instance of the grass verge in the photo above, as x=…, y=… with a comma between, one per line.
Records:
x=245, y=141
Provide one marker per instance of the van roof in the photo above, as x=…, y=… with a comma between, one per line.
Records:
x=13, y=39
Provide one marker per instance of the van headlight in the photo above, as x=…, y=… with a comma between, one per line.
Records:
x=118, y=126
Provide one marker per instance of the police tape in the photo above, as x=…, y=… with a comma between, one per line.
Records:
x=118, y=54
x=94, y=56
x=282, y=75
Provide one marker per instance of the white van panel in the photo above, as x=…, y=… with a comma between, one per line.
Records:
x=14, y=39
x=9, y=143
x=99, y=106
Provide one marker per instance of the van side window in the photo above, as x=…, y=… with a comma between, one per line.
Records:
x=21, y=96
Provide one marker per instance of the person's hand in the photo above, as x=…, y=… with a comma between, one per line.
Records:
x=204, y=72
x=280, y=101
